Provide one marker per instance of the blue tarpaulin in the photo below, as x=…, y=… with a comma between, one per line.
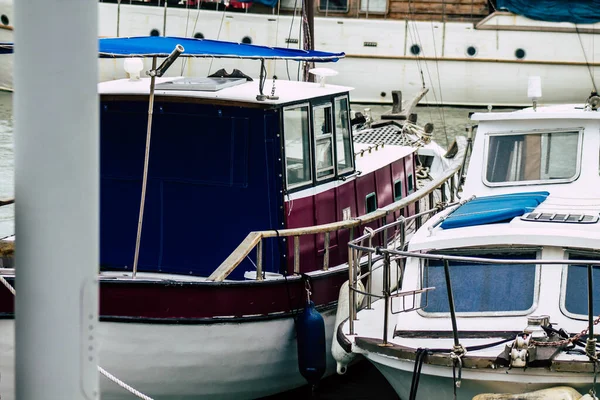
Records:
x=493, y=209
x=149, y=46
x=575, y=11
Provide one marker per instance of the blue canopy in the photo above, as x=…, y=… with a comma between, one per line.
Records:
x=575, y=11
x=493, y=209
x=149, y=46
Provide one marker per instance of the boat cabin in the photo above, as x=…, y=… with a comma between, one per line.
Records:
x=223, y=164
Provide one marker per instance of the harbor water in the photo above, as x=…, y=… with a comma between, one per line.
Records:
x=363, y=381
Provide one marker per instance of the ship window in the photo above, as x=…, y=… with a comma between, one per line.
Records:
x=333, y=5
x=398, y=190
x=533, y=157
x=297, y=146
x=373, y=6
x=322, y=125
x=410, y=183
x=343, y=143
x=370, y=203
x=480, y=288
x=575, y=287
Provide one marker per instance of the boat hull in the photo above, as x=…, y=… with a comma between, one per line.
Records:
x=231, y=360
x=437, y=382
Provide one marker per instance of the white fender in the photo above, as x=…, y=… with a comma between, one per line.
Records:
x=339, y=354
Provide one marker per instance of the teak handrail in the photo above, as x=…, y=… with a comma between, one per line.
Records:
x=254, y=238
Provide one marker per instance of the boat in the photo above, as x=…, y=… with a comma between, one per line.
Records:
x=498, y=293
x=226, y=207
x=466, y=52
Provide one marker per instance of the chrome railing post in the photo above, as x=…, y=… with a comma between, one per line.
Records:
x=386, y=294
x=590, y=346
x=350, y=290
x=370, y=264
x=259, y=261
x=443, y=189
x=297, y=255
x=417, y=211
x=326, y=254
x=452, y=188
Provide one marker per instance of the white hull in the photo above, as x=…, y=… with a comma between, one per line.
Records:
x=453, y=76
x=215, y=361
x=437, y=383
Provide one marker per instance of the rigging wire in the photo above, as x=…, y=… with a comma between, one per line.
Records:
x=437, y=68
x=218, y=34
x=586, y=59
x=185, y=59
x=289, y=36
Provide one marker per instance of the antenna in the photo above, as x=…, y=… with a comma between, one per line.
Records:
x=534, y=89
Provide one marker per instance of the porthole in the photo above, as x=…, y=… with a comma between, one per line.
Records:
x=198, y=35
x=247, y=40
x=415, y=49
x=383, y=94
x=471, y=51
x=154, y=32
x=4, y=19
x=520, y=54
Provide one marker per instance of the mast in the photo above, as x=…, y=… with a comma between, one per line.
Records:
x=309, y=35
x=57, y=186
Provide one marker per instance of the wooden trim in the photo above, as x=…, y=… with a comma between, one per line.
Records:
x=483, y=25
x=7, y=27
x=474, y=59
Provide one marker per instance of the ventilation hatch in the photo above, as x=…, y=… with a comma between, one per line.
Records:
x=560, y=217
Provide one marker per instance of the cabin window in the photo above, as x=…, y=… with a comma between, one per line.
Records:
x=410, y=184
x=373, y=6
x=480, y=288
x=536, y=157
x=575, y=287
x=297, y=146
x=370, y=203
x=343, y=141
x=322, y=125
x=398, y=190
x=333, y=6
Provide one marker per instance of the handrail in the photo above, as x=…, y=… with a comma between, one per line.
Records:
x=253, y=238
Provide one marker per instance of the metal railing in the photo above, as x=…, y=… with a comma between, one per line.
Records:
x=399, y=253
x=447, y=184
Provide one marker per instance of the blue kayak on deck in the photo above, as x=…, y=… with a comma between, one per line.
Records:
x=493, y=209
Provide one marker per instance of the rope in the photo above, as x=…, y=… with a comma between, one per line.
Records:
x=100, y=369
x=123, y=384
x=8, y=286
x=572, y=339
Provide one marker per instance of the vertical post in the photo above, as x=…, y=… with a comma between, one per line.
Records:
x=165, y=19
x=297, y=255
x=590, y=279
x=451, y=302
x=326, y=253
x=443, y=189
x=259, y=261
x=370, y=265
x=452, y=188
x=350, y=291
x=386, y=294
x=56, y=183
x=118, y=16
x=418, y=220
x=430, y=200
x=145, y=174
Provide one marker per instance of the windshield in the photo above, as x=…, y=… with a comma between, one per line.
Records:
x=527, y=157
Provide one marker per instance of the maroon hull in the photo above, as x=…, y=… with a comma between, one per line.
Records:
x=204, y=302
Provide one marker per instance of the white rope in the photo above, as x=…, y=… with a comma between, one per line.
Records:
x=8, y=286
x=100, y=369
x=123, y=384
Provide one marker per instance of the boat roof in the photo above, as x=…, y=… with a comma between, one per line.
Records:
x=160, y=46
x=563, y=111
x=287, y=91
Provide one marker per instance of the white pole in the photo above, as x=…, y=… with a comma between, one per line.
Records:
x=57, y=194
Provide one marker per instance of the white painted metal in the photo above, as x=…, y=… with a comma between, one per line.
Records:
x=57, y=184
x=494, y=74
x=579, y=196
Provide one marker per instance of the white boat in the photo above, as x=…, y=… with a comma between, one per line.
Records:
x=250, y=193
x=520, y=254
x=486, y=57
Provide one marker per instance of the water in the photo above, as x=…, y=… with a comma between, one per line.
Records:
x=362, y=381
